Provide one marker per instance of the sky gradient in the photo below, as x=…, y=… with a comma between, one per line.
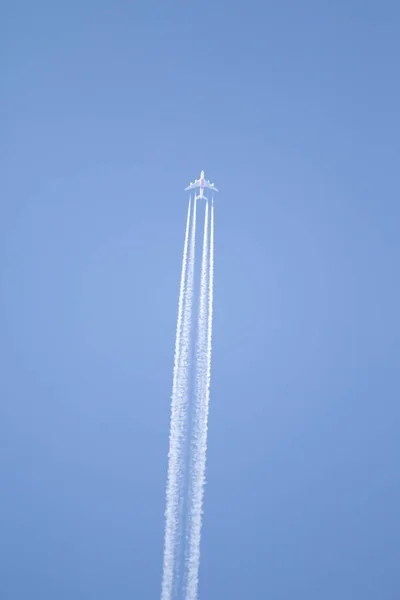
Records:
x=109, y=109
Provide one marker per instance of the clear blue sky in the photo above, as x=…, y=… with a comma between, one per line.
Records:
x=108, y=110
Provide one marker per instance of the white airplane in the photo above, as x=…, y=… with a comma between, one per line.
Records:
x=201, y=183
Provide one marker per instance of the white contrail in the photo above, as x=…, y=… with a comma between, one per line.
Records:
x=183, y=392
x=199, y=450
x=200, y=379
x=178, y=415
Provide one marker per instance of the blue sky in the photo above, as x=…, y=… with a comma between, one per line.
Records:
x=108, y=110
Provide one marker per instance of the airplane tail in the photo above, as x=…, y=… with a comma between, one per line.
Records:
x=201, y=198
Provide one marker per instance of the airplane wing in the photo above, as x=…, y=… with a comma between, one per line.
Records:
x=193, y=185
x=210, y=186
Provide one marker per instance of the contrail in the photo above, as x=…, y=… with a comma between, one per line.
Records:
x=185, y=487
x=199, y=446
x=201, y=374
x=183, y=391
x=179, y=401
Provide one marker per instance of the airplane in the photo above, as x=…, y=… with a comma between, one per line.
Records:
x=201, y=183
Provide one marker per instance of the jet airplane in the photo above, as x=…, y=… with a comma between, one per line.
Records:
x=201, y=183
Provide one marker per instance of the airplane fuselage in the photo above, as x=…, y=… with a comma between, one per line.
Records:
x=202, y=180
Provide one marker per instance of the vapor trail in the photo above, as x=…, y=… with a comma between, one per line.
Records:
x=183, y=392
x=178, y=415
x=199, y=447
x=200, y=380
